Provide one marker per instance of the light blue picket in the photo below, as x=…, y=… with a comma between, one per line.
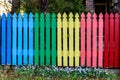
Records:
x=3, y=51
x=47, y=39
x=19, y=39
x=25, y=45
x=9, y=26
x=14, y=39
x=30, y=39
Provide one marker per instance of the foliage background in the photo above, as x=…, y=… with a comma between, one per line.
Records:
x=51, y=6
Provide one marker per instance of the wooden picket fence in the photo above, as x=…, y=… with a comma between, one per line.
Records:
x=85, y=40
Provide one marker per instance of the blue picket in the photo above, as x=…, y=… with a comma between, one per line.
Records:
x=25, y=45
x=3, y=51
x=9, y=39
x=19, y=39
x=30, y=39
x=0, y=36
x=14, y=40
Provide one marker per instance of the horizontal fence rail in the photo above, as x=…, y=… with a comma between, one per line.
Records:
x=86, y=40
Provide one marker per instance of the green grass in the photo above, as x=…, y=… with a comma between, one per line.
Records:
x=55, y=73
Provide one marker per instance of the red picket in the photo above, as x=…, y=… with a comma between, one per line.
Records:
x=94, y=41
x=111, y=40
x=106, y=40
x=88, y=55
x=83, y=39
x=116, y=62
x=100, y=41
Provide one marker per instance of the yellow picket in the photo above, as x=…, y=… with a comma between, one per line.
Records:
x=77, y=40
x=71, y=39
x=59, y=37
x=65, y=61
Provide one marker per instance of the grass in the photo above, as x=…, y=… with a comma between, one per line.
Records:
x=55, y=73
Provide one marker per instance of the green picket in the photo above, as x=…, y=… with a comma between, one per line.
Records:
x=47, y=39
x=54, y=52
x=36, y=39
x=42, y=51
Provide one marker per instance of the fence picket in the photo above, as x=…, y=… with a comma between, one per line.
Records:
x=36, y=39
x=65, y=36
x=42, y=40
x=116, y=61
x=59, y=40
x=47, y=39
x=14, y=39
x=106, y=41
x=83, y=39
x=100, y=41
x=71, y=53
x=77, y=39
x=31, y=53
x=25, y=45
x=54, y=52
x=19, y=39
x=94, y=41
x=9, y=26
x=111, y=40
x=88, y=56
x=3, y=49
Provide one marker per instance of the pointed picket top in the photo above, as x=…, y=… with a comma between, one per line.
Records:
x=94, y=15
x=48, y=15
x=71, y=15
x=36, y=15
x=53, y=15
x=64, y=15
x=82, y=15
x=9, y=15
x=88, y=15
x=25, y=15
x=14, y=15
x=100, y=15
x=106, y=15
x=3, y=15
x=116, y=15
x=30, y=15
x=111, y=15
x=76, y=16
x=59, y=15
x=42, y=15
x=19, y=15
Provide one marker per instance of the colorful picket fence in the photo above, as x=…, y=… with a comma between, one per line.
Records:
x=85, y=40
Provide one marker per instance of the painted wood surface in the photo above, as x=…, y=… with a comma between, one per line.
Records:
x=77, y=40
x=9, y=38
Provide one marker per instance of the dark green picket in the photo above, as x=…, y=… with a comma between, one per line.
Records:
x=36, y=39
x=47, y=39
x=54, y=52
x=42, y=41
